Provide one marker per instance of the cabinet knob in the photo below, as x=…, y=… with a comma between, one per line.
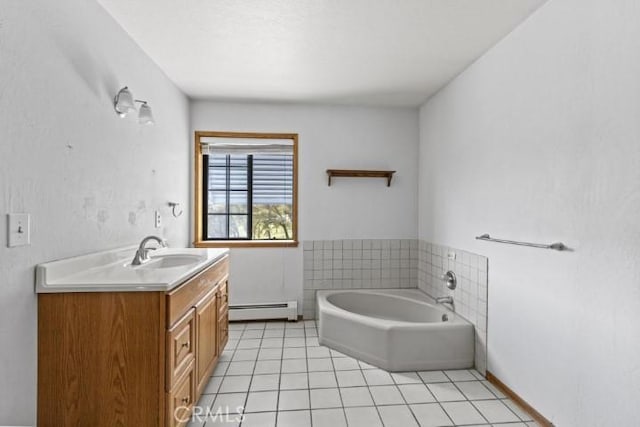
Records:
x=185, y=344
x=185, y=400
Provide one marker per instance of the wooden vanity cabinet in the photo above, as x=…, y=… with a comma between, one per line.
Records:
x=130, y=358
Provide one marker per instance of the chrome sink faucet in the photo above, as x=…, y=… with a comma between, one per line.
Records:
x=142, y=254
x=444, y=300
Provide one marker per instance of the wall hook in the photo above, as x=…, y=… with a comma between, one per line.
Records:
x=174, y=206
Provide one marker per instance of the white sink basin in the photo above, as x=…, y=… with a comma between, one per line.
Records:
x=169, y=261
x=111, y=271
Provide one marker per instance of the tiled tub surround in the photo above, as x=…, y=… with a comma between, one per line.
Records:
x=357, y=264
x=470, y=295
x=276, y=374
x=400, y=263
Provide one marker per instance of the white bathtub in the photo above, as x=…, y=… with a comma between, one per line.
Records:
x=394, y=329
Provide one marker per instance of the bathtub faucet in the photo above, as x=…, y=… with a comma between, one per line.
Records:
x=444, y=300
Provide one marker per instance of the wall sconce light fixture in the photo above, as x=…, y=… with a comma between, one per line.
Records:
x=124, y=103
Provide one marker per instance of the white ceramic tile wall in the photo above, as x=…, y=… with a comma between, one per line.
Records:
x=470, y=295
x=357, y=264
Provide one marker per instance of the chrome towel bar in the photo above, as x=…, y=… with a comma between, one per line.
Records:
x=558, y=246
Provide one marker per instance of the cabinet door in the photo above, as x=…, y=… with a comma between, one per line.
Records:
x=207, y=339
x=223, y=302
x=223, y=315
x=223, y=331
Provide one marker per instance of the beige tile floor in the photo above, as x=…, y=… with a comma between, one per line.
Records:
x=276, y=374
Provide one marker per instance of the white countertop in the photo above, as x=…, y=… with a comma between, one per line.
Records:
x=111, y=271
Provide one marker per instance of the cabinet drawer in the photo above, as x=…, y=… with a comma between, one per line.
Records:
x=186, y=295
x=180, y=348
x=180, y=399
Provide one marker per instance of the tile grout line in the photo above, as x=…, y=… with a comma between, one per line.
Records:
x=284, y=332
x=306, y=362
x=465, y=396
x=332, y=357
x=415, y=417
x=375, y=405
x=475, y=407
x=224, y=374
x=255, y=363
x=335, y=376
x=246, y=398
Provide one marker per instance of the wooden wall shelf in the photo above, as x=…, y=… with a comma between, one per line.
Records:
x=354, y=173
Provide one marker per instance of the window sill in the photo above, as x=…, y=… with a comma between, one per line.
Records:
x=246, y=244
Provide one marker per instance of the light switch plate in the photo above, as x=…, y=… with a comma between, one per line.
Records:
x=19, y=230
x=451, y=255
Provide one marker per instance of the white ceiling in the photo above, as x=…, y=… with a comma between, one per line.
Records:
x=372, y=52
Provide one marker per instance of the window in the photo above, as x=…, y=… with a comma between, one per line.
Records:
x=246, y=189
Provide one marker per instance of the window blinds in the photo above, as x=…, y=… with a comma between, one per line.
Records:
x=271, y=166
x=273, y=179
x=246, y=146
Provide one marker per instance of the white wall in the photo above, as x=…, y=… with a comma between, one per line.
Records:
x=330, y=137
x=539, y=141
x=90, y=179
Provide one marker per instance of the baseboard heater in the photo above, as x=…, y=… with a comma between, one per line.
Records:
x=281, y=310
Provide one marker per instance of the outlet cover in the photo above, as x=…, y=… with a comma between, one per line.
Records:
x=158, y=219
